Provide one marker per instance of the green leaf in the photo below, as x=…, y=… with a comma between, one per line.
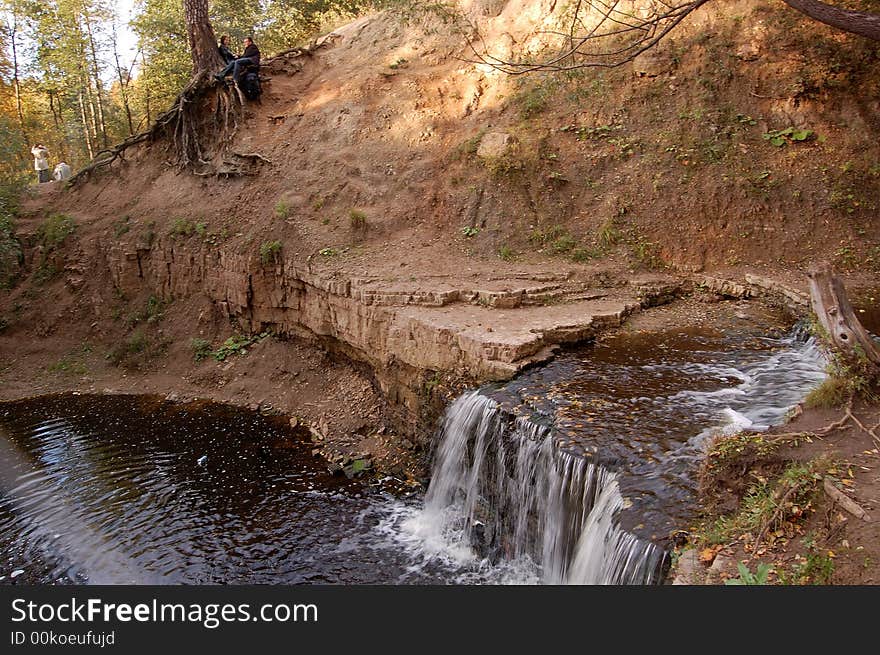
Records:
x=777, y=141
x=801, y=135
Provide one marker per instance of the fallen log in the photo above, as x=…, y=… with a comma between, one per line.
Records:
x=835, y=314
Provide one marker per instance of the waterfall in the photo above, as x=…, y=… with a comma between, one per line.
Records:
x=501, y=490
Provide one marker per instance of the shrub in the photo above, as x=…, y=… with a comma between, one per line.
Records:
x=282, y=209
x=506, y=253
x=182, y=227
x=201, y=349
x=55, y=230
x=10, y=248
x=358, y=220
x=269, y=251
x=237, y=345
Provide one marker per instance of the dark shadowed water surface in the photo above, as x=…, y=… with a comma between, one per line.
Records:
x=134, y=489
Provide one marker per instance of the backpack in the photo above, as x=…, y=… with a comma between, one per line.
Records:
x=250, y=86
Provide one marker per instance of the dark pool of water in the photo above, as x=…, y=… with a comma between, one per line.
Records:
x=867, y=306
x=137, y=490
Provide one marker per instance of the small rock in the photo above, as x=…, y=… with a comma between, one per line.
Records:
x=406, y=443
x=172, y=397
x=16, y=573
x=202, y=460
x=688, y=565
x=294, y=422
x=494, y=144
x=651, y=64
x=748, y=52
x=720, y=564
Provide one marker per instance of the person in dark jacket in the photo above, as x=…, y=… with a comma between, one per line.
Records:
x=225, y=52
x=249, y=59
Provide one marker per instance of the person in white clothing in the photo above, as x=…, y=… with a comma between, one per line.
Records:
x=62, y=172
x=41, y=162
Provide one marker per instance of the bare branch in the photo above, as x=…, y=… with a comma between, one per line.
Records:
x=607, y=34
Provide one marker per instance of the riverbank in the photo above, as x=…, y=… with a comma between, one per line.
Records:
x=350, y=419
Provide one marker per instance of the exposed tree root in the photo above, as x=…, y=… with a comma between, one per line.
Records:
x=194, y=141
x=872, y=432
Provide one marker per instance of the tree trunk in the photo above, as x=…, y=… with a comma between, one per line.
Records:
x=123, y=81
x=835, y=314
x=857, y=22
x=202, y=42
x=146, y=93
x=96, y=72
x=90, y=105
x=16, y=80
x=85, y=124
x=54, y=111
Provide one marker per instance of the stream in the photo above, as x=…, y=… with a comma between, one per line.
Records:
x=575, y=472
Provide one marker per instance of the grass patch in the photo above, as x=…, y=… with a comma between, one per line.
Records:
x=282, y=209
x=563, y=244
x=152, y=312
x=55, y=229
x=10, y=248
x=833, y=392
x=771, y=508
x=182, y=227
x=581, y=255
x=358, y=220
x=136, y=351
x=122, y=226
x=45, y=272
x=201, y=349
x=269, y=251
x=648, y=254
x=543, y=236
x=68, y=366
x=469, y=147
x=534, y=100
x=506, y=253
x=814, y=568
x=237, y=345
x=609, y=235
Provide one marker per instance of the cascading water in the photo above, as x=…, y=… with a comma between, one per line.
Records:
x=506, y=489
x=500, y=487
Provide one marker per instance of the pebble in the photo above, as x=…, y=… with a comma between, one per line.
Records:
x=16, y=573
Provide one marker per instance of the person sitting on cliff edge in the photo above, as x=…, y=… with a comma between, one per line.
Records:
x=250, y=58
x=225, y=52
